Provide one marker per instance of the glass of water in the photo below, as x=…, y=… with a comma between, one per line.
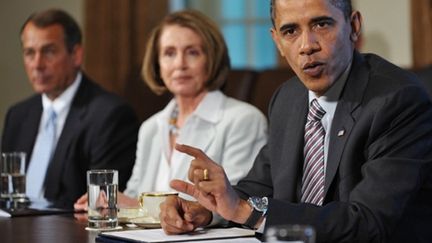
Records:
x=13, y=180
x=102, y=188
x=294, y=233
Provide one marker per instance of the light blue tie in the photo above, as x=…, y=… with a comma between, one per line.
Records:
x=41, y=156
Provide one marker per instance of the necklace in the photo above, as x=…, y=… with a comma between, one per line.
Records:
x=172, y=123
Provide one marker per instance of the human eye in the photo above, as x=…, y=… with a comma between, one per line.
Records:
x=49, y=51
x=28, y=53
x=193, y=52
x=289, y=30
x=323, y=23
x=168, y=53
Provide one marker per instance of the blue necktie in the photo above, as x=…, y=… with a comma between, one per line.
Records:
x=41, y=156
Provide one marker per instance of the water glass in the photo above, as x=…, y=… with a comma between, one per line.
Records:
x=290, y=233
x=102, y=186
x=13, y=180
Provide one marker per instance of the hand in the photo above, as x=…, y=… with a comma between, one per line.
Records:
x=82, y=203
x=215, y=193
x=180, y=216
x=123, y=201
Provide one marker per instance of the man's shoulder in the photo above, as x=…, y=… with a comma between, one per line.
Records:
x=389, y=72
x=387, y=79
x=29, y=103
x=94, y=94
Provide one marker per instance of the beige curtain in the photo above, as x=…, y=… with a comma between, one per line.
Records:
x=421, y=15
x=115, y=33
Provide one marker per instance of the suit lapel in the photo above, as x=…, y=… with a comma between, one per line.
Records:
x=287, y=141
x=65, y=143
x=297, y=152
x=31, y=127
x=344, y=117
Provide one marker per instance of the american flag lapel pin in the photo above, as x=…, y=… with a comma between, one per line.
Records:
x=341, y=133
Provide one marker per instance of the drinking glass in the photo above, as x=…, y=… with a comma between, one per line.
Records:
x=290, y=233
x=13, y=180
x=102, y=188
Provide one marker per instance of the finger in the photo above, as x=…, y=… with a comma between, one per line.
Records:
x=171, y=230
x=194, y=164
x=82, y=199
x=171, y=220
x=192, y=151
x=183, y=187
x=196, y=214
x=80, y=206
x=201, y=175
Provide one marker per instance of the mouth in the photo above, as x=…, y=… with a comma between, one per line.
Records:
x=182, y=78
x=313, y=68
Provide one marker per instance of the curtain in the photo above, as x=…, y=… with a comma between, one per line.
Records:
x=421, y=15
x=115, y=33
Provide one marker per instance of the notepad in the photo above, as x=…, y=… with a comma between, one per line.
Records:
x=158, y=235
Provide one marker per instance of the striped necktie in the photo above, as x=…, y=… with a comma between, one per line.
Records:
x=313, y=167
x=41, y=156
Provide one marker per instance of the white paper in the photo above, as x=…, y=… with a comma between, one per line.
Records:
x=158, y=235
x=5, y=214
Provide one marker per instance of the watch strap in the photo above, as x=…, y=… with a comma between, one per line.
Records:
x=253, y=219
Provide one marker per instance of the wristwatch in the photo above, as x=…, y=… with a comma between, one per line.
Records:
x=259, y=209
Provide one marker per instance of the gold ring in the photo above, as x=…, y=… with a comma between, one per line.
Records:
x=205, y=174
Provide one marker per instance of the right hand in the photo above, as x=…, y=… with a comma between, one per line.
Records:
x=180, y=216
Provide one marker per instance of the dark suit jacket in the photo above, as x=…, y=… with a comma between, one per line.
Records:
x=378, y=185
x=100, y=132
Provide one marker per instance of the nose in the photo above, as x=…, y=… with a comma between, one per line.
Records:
x=38, y=61
x=180, y=61
x=309, y=43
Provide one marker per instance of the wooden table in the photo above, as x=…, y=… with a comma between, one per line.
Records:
x=62, y=228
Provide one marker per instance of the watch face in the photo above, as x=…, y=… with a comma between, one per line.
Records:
x=259, y=203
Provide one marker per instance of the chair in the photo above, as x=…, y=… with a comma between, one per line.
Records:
x=239, y=84
x=266, y=84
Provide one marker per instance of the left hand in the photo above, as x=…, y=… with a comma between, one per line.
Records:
x=215, y=193
x=180, y=216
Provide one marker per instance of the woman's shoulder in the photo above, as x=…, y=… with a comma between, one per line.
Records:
x=237, y=106
x=150, y=124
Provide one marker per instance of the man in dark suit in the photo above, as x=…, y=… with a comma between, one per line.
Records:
x=349, y=149
x=91, y=128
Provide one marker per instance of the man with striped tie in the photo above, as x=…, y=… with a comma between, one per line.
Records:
x=349, y=149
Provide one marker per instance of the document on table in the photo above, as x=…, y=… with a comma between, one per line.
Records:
x=4, y=214
x=158, y=235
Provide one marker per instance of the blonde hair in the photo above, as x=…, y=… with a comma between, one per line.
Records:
x=214, y=46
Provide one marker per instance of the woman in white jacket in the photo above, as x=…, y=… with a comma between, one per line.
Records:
x=187, y=56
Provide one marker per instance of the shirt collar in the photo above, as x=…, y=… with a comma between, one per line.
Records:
x=331, y=96
x=209, y=109
x=61, y=103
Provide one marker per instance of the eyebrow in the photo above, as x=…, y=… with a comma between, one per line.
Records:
x=322, y=18
x=312, y=21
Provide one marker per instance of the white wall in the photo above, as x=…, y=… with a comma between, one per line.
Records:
x=387, y=29
x=13, y=81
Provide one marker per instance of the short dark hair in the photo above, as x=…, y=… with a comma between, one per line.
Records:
x=344, y=5
x=72, y=32
x=214, y=46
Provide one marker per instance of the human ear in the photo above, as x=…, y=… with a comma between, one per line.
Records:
x=276, y=40
x=356, y=24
